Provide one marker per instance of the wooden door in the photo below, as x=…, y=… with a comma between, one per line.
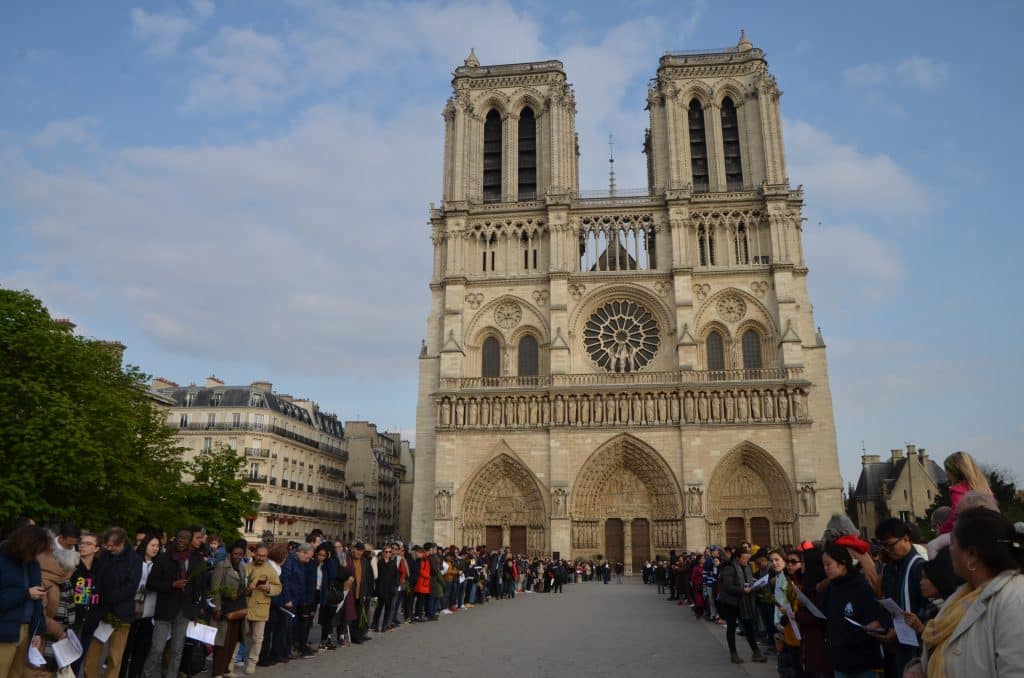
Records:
x=494, y=535
x=735, y=532
x=761, y=532
x=614, y=545
x=640, y=533
x=517, y=540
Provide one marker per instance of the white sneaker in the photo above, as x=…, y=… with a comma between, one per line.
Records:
x=446, y=611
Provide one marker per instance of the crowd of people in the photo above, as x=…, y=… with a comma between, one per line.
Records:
x=137, y=608
x=894, y=606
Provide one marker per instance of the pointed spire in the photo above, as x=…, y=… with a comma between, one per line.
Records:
x=471, y=60
x=744, y=44
x=611, y=166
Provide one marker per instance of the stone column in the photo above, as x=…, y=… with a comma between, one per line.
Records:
x=627, y=545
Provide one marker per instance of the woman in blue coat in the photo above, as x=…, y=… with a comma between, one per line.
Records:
x=854, y=617
x=21, y=595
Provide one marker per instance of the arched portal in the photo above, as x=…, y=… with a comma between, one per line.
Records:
x=625, y=488
x=504, y=506
x=750, y=498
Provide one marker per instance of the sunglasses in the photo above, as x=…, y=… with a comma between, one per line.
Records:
x=793, y=562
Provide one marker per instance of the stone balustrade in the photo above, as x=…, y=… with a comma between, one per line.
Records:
x=694, y=405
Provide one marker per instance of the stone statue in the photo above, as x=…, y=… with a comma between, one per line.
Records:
x=446, y=413
x=533, y=411
x=504, y=364
x=609, y=410
x=783, y=406
x=755, y=406
x=688, y=407
x=442, y=504
x=496, y=412
x=649, y=414
x=598, y=410
x=693, y=501
x=474, y=412
x=558, y=504
x=730, y=406
x=485, y=412
x=623, y=409
x=559, y=411
x=521, y=411
x=702, y=406
x=769, y=406
x=585, y=411
x=460, y=412
x=673, y=406
x=799, y=405
x=571, y=410
x=636, y=410
x=510, y=412
x=741, y=406
x=807, y=499
x=545, y=411
x=662, y=408
x=716, y=407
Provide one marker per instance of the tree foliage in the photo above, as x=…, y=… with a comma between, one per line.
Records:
x=80, y=438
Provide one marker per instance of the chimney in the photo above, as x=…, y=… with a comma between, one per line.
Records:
x=264, y=386
x=161, y=383
x=896, y=454
x=117, y=348
x=922, y=455
x=65, y=322
x=911, y=450
x=213, y=382
x=866, y=459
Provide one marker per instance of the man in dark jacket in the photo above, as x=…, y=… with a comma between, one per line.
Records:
x=294, y=580
x=177, y=577
x=362, y=589
x=901, y=581
x=117, y=582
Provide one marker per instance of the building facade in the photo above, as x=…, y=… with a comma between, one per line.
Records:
x=406, y=483
x=904, y=486
x=374, y=472
x=627, y=373
x=296, y=454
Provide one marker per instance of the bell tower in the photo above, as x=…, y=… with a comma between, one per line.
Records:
x=510, y=133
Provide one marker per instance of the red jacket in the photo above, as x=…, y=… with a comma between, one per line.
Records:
x=423, y=581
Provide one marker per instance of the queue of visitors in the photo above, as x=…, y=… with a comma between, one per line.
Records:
x=140, y=609
x=850, y=608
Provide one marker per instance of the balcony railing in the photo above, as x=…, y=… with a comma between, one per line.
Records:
x=249, y=426
x=259, y=480
x=624, y=378
x=257, y=452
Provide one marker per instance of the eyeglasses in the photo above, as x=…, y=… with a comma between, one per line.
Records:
x=793, y=562
x=889, y=545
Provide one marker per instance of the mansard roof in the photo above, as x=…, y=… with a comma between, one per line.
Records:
x=241, y=396
x=876, y=475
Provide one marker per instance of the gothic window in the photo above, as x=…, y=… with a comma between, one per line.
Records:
x=527, y=155
x=741, y=242
x=716, y=351
x=698, y=147
x=752, y=350
x=529, y=357
x=492, y=157
x=706, y=245
x=731, y=145
x=621, y=336
x=490, y=364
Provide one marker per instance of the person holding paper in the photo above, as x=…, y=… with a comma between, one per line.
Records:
x=263, y=585
x=977, y=633
x=853, y=617
x=117, y=581
x=21, y=596
x=901, y=581
x=736, y=604
x=57, y=563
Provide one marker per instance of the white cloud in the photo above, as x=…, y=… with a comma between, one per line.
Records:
x=866, y=75
x=78, y=131
x=204, y=8
x=842, y=179
x=923, y=72
x=162, y=32
x=241, y=70
x=850, y=261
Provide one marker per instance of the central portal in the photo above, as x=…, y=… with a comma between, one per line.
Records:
x=624, y=495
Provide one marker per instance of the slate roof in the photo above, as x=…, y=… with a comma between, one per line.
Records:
x=876, y=474
x=239, y=396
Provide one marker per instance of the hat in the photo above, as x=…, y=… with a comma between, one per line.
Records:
x=855, y=543
x=806, y=546
x=359, y=546
x=714, y=548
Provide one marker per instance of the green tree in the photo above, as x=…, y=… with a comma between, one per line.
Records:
x=218, y=494
x=80, y=438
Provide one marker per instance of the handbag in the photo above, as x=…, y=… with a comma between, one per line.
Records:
x=335, y=592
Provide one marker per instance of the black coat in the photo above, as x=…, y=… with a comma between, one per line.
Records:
x=387, y=578
x=117, y=581
x=169, y=600
x=848, y=647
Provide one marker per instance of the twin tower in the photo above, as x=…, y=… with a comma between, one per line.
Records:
x=621, y=374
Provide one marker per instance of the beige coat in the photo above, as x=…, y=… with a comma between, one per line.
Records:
x=259, y=601
x=987, y=641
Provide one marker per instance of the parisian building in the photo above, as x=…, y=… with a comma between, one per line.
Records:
x=621, y=373
x=375, y=473
x=296, y=455
x=903, y=486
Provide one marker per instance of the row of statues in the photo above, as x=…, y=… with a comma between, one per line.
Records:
x=637, y=409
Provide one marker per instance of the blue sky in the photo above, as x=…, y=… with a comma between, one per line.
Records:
x=242, y=188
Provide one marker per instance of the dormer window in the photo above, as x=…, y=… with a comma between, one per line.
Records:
x=255, y=400
x=190, y=397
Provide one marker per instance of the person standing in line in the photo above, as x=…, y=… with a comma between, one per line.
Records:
x=261, y=584
x=140, y=636
x=21, y=597
x=117, y=583
x=736, y=603
x=901, y=581
x=362, y=589
x=386, y=585
x=853, y=617
x=177, y=579
x=84, y=582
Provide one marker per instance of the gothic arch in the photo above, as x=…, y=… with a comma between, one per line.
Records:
x=607, y=293
x=702, y=93
x=729, y=88
x=527, y=97
x=480, y=322
x=755, y=311
x=748, y=483
x=492, y=98
x=504, y=492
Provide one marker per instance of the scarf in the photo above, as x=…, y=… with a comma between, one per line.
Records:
x=939, y=630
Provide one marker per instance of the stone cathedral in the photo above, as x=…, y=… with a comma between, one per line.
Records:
x=621, y=373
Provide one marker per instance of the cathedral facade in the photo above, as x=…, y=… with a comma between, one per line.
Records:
x=624, y=373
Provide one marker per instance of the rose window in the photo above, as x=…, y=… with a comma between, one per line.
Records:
x=621, y=336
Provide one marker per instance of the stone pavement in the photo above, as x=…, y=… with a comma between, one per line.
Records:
x=590, y=630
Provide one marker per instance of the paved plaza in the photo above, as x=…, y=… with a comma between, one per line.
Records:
x=590, y=630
